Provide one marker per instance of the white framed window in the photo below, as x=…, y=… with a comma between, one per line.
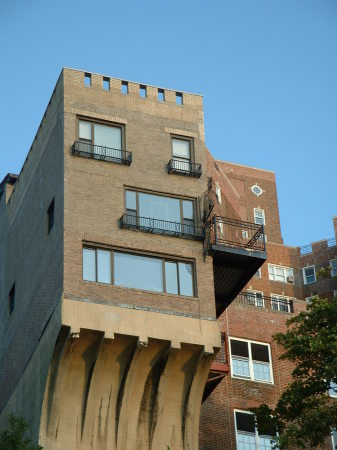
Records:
x=182, y=153
x=309, y=274
x=333, y=391
x=255, y=298
x=218, y=192
x=334, y=439
x=259, y=216
x=258, y=274
x=335, y=293
x=245, y=235
x=250, y=360
x=333, y=265
x=247, y=436
x=280, y=273
x=281, y=303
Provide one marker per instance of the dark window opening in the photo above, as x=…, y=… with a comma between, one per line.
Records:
x=142, y=91
x=245, y=422
x=11, y=299
x=239, y=348
x=51, y=216
x=161, y=95
x=260, y=352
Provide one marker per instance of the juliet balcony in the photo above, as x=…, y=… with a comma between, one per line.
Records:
x=163, y=227
x=185, y=168
x=98, y=152
x=273, y=303
x=238, y=250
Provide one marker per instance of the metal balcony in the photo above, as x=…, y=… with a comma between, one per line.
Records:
x=280, y=304
x=164, y=227
x=184, y=168
x=238, y=250
x=114, y=155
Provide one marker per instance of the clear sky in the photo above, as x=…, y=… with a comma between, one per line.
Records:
x=267, y=70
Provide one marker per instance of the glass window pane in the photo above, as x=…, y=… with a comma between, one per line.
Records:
x=139, y=272
x=186, y=279
x=261, y=371
x=131, y=202
x=159, y=207
x=85, y=130
x=239, y=348
x=89, y=265
x=171, y=277
x=103, y=266
x=181, y=148
x=107, y=136
x=245, y=422
x=240, y=367
x=188, y=209
x=260, y=352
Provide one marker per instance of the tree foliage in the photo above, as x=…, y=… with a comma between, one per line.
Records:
x=15, y=438
x=305, y=414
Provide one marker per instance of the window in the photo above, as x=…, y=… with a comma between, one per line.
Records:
x=309, y=274
x=182, y=154
x=258, y=274
x=334, y=439
x=308, y=300
x=259, y=216
x=161, y=95
x=333, y=265
x=159, y=212
x=179, y=98
x=255, y=298
x=125, y=87
x=11, y=299
x=281, y=303
x=247, y=436
x=333, y=391
x=218, y=192
x=50, y=216
x=250, y=360
x=335, y=293
x=280, y=273
x=100, y=139
x=256, y=190
x=142, y=91
x=106, y=84
x=138, y=271
x=87, y=79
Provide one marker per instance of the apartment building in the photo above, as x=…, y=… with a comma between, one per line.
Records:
x=116, y=260
x=247, y=370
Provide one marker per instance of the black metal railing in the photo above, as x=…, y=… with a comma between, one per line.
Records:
x=237, y=233
x=184, y=168
x=158, y=226
x=221, y=355
x=280, y=304
x=88, y=150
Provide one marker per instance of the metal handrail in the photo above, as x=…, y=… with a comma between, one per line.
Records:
x=184, y=168
x=280, y=304
x=88, y=150
x=237, y=233
x=158, y=226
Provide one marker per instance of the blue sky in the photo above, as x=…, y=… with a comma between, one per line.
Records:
x=267, y=70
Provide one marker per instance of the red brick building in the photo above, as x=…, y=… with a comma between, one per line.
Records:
x=248, y=371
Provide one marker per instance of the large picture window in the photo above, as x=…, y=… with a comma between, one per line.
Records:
x=250, y=360
x=247, y=435
x=100, y=139
x=139, y=271
x=159, y=212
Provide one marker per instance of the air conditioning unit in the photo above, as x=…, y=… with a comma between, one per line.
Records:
x=290, y=278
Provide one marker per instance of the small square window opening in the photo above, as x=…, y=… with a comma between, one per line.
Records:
x=161, y=95
x=125, y=87
x=87, y=79
x=106, y=84
x=142, y=91
x=179, y=98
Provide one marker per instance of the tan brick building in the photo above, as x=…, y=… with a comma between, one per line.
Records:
x=123, y=245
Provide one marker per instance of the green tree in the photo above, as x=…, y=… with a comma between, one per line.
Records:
x=15, y=438
x=305, y=414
